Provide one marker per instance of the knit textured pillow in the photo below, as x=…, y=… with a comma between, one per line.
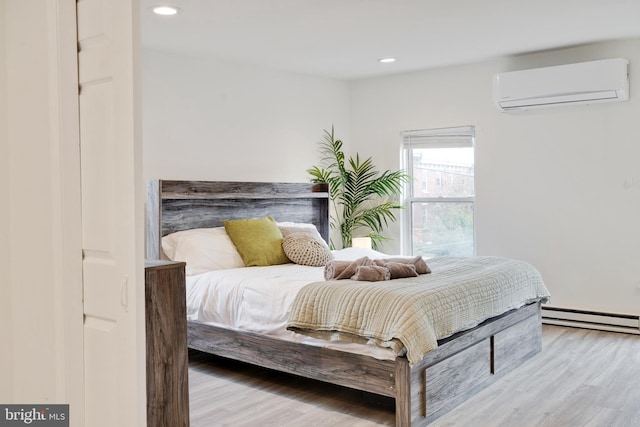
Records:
x=302, y=248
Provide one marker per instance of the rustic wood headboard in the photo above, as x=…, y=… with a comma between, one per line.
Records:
x=182, y=205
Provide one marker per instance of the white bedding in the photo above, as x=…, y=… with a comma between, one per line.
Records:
x=258, y=299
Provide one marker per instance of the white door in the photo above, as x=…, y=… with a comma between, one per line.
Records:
x=112, y=214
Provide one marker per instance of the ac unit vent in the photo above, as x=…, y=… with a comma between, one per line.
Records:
x=606, y=80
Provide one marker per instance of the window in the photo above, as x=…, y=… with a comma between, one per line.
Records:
x=440, y=200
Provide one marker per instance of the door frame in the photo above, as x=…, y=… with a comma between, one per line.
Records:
x=61, y=16
x=65, y=186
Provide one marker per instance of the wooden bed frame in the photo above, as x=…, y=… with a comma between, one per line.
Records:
x=461, y=365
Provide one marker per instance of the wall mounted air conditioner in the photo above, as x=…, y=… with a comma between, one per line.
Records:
x=606, y=80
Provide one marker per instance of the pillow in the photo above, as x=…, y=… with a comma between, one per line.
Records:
x=258, y=241
x=287, y=228
x=203, y=249
x=304, y=249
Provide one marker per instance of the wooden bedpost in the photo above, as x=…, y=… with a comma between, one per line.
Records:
x=403, y=392
x=154, y=228
x=324, y=224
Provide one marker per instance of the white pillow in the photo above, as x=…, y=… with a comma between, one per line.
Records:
x=287, y=228
x=203, y=249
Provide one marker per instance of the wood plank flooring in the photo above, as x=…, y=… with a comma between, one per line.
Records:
x=581, y=378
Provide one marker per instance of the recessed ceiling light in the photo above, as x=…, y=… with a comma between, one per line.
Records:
x=387, y=60
x=165, y=10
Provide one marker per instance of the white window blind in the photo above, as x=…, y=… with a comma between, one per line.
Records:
x=439, y=214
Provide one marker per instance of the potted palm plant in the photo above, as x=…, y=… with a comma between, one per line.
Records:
x=364, y=200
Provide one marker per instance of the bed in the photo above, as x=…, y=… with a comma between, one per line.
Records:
x=460, y=366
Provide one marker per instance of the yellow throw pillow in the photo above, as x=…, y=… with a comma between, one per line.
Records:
x=258, y=240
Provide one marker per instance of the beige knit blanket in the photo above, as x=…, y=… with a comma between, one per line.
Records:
x=412, y=314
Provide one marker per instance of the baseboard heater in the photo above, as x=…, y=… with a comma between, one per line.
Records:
x=626, y=323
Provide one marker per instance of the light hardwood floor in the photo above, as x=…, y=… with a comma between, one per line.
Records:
x=581, y=378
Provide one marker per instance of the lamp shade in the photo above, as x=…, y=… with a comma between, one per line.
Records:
x=361, y=242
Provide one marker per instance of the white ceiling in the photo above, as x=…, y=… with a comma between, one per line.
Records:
x=344, y=38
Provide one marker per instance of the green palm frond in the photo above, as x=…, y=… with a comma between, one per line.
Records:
x=363, y=197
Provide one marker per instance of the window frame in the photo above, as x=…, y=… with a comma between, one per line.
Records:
x=452, y=137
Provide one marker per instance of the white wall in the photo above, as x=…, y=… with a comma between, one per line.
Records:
x=550, y=183
x=28, y=288
x=6, y=329
x=211, y=120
